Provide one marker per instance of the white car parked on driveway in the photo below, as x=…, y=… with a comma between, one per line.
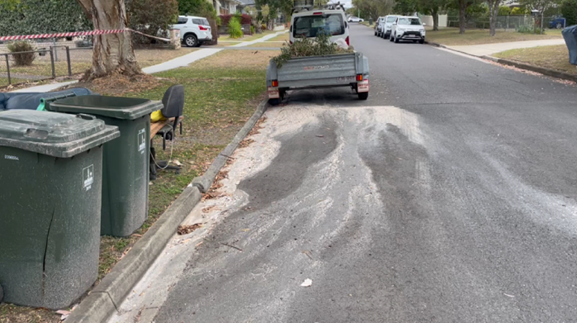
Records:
x=193, y=30
x=408, y=28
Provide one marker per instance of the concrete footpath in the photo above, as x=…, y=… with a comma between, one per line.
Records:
x=166, y=66
x=489, y=49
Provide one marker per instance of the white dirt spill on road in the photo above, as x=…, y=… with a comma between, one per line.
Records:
x=341, y=177
x=554, y=211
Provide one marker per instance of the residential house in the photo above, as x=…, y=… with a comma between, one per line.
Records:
x=226, y=7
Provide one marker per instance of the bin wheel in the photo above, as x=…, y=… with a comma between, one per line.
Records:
x=363, y=96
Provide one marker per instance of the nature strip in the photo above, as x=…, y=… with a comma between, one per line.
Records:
x=77, y=33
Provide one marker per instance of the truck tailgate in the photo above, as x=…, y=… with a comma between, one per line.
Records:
x=318, y=70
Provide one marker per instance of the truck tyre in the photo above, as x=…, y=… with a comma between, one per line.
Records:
x=363, y=96
x=274, y=102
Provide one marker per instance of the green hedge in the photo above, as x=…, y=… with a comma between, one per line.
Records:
x=569, y=11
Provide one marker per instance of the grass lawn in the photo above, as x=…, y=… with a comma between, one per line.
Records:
x=283, y=37
x=553, y=57
x=248, y=37
x=4, y=81
x=268, y=44
x=451, y=36
x=222, y=91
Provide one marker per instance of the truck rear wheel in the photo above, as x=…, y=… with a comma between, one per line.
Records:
x=274, y=102
x=363, y=96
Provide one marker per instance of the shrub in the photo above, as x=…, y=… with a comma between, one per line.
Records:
x=244, y=19
x=319, y=46
x=22, y=46
x=152, y=17
x=569, y=11
x=252, y=30
x=528, y=29
x=234, y=28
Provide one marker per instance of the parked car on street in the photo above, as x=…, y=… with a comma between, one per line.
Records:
x=377, y=26
x=386, y=25
x=193, y=30
x=408, y=28
x=355, y=19
x=309, y=23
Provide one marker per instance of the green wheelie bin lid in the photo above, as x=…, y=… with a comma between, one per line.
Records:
x=53, y=134
x=107, y=106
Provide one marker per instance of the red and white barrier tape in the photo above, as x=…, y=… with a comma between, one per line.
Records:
x=74, y=34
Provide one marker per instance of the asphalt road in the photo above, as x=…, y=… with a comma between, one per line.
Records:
x=448, y=196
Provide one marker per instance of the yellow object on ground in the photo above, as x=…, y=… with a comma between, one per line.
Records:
x=157, y=116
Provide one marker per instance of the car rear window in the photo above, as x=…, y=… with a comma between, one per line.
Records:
x=200, y=22
x=409, y=21
x=181, y=20
x=311, y=26
x=391, y=19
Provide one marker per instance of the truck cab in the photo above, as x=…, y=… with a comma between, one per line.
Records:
x=310, y=22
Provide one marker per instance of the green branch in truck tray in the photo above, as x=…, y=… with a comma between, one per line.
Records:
x=319, y=46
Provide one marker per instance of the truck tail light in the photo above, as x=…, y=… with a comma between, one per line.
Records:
x=347, y=40
x=202, y=28
x=359, y=77
x=275, y=83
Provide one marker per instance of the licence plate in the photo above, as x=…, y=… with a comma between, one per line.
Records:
x=363, y=86
x=273, y=93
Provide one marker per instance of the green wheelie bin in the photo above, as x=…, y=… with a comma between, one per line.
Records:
x=50, y=199
x=126, y=160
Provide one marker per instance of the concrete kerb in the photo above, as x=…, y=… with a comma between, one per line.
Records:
x=523, y=66
x=205, y=181
x=101, y=302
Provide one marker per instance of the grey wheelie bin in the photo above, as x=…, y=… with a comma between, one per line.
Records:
x=126, y=160
x=570, y=36
x=50, y=199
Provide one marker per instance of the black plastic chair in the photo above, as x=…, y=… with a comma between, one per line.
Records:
x=173, y=102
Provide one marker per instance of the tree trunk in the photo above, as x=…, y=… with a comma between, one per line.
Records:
x=435, y=14
x=493, y=11
x=462, y=22
x=107, y=15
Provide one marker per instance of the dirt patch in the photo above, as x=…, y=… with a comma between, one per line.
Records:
x=119, y=85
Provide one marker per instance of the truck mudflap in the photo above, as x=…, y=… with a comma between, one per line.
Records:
x=363, y=86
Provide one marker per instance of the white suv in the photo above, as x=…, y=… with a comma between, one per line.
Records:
x=386, y=24
x=310, y=23
x=408, y=28
x=193, y=30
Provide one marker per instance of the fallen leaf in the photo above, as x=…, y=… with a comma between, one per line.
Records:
x=307, y=283
x=186, y=229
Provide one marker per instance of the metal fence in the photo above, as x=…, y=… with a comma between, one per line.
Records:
x=49, y=62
